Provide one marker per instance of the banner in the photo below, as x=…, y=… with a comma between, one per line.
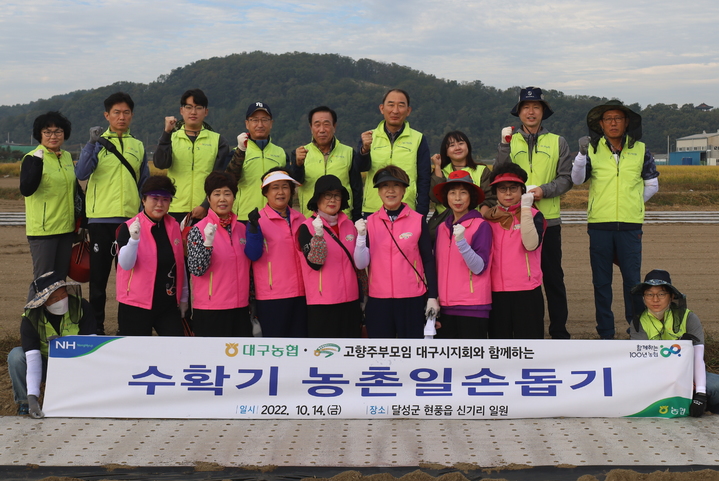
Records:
x=284, y=378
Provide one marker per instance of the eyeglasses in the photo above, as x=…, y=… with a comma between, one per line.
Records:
x=658, y=295
x=613, y=120
x=53, y=133
x=193, y=108
x=331, y=196
x=259, y=121
x=509, y=188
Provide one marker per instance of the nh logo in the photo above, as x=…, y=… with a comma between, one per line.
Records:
x=65, y=345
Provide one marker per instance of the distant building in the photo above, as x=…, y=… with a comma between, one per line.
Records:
x=697, y=149
x=704, y=107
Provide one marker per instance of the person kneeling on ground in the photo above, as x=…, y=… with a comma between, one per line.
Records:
x=667, y=318
x=57, y=309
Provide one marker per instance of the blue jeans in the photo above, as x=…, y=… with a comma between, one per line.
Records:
x=605, y=247
x=17, y=367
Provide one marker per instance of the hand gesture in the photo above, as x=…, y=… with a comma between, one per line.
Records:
x=584, y=145
x=432, y=308
x=458, y=232
x=527, y=199
x=319, y=228
x=437, y=161
x=300, y=155
x=507, y=134
x=361, y=226
x=209, y=232
x=366, y=141
x=95, y=133
x=170, y=123
x=39, y=153
x=242, y=141
x=135, y=230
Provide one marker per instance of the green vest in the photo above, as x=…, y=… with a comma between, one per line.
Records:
x=475, y=173
x=192, y=162
x=403, y=154
x=338, y=163
x=540, y=165
x=50, y=209
x=672, y=328
x=111, y=190
x=69, y=325
x=249, y=188
x=616, y=191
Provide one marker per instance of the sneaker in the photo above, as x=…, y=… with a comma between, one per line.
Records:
x=23, y=409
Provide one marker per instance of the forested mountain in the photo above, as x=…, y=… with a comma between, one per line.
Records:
x=294, y=83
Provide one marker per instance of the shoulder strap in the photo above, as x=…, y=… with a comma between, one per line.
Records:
x=424, y=281
x=336, y=239
x=110, y=147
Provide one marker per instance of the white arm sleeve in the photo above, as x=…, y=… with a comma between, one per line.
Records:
x=700, y=371
x=33, y=377
x=651, y=187
x=530, y=237
x=361, y=253
x=579, y=169
x=128, y=254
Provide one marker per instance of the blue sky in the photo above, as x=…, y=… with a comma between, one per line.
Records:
x=638, y=51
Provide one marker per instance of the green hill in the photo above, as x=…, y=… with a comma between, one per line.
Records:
x=293, y=83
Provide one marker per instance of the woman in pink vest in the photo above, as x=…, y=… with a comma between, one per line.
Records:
x=463, y=252
x=276, y=261
x=219, y=266
x=327, y=240
x=402, y=272
x=151, y=285
x=517, y=229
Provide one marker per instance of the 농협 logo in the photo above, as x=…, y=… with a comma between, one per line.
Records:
x=327, y=349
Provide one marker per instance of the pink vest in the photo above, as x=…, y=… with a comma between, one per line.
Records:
x=390, y=275
x=278, y=273
x=336, y=281
x=514, y=268
x=226, y=282
x=136, y=286
x=459, y=286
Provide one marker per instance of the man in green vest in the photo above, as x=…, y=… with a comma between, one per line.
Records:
x=255, y=154
x=393, y=142
x=114, y=164
x=57, y=309
x=326, y=155
x=623, y=177
x=548, y=162
x=190, y=150
x=666, y=318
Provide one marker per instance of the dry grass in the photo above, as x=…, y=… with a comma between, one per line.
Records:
x=10, y=168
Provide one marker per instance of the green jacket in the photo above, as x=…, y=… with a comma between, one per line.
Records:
x=192, y=162
x=249, y=187
x=540, y=165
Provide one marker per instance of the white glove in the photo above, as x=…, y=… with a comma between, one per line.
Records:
x=361, y=226
x=319, y=228
x=584, y=145
x=527, y=199
x=242, y=141
x=135, y=230
x=39, y=153
x=507, y=134
x=432, y=308
x=210, y=230
x=183, y=308
x=458, y=231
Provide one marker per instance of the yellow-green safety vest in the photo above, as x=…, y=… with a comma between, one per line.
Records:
x=338, y=163
x=192, y=162
x=69, y=325
x=475, y=173
x=403, y=154
x=111, y=190
x=616, y=190
x=673, y=327
x=249, y=188
x=50, y=210
x=540, y=165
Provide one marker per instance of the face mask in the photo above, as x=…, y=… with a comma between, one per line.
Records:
x=58, y=308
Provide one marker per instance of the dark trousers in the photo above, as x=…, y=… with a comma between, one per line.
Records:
x=50, y=253
x=554, y=288
x=136, y=321
x=334, y=320
x=462, y=327
x=395, y=318
x=102, y=237
x=517, y=315
x=606, y=247
x=283, y=317
x=222, y=322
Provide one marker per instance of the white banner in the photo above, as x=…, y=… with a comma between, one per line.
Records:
x=283, y=378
